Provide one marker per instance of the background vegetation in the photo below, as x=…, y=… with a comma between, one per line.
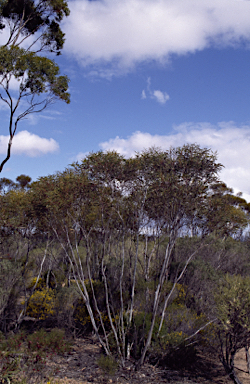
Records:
x=151, y=253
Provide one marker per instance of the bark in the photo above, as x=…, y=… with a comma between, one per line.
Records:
x=176, y=282
x=247, y=359
x=78, y=276
x=168, y=252
x=136, y=256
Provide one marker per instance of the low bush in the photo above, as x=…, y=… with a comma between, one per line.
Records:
x=23, y=355
x=41, y=304
x=107, y=364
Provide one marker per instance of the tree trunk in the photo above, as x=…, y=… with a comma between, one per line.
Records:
x=247, y=359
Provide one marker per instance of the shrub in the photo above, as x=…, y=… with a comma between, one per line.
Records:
x=41, y=304
x=26, y=355
x=107, y=364
x=51, y=342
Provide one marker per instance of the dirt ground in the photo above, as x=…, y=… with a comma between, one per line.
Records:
x=80, y=366
x=241, y=367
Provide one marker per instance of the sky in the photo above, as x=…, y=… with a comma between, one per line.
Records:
x=145, y=73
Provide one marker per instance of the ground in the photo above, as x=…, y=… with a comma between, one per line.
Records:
x=81, y=366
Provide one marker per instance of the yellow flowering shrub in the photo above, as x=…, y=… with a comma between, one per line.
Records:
x=40, y=284
x=41, y=304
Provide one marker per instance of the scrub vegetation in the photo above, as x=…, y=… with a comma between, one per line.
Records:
x=150, y=253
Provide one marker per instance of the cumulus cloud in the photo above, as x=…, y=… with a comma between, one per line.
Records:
x=159, y=96
x=120, y=34
x=29, y=144
x=231, y=142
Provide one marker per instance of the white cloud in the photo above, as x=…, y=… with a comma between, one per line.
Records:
x=4, y=106
x=232, y=143
x=34, y=118
x=80, y=156
x=160, y=97
x=157, y=95
x=116, y=35
x=29, y=144
x=14, y=84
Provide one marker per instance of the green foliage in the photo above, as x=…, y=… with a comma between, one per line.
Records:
x=65, y=299
x=36, y=22
x=10, y=272
x=30, y=17
x=23, y=355
x=169, y=337
x=110, y=238
x=41, y=304
x=107, y=364
x=51, y=342
x=232, y=298
x=23, y=181
x=80, y=316
x=6, y=185
x=36, y=74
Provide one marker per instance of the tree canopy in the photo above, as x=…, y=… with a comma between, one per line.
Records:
x=34, y=28
x=142, y=250
x=37, y=21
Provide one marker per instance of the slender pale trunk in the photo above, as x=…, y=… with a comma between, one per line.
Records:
x=134, y=280
x=136, y=257
x=177, y=279
x=110, y=317
x=79, y=276
x=122, y=329
x=95, y=301
x=162, y=278
x=147, y=261
x=22, y=314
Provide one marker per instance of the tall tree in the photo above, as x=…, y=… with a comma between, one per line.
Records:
x=34, y=21
x=118, y=222
x=6, y=185
x=23, y=181
x=182, y=184
x=34, y=28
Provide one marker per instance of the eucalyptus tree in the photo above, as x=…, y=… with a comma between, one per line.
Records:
x=184, y=190
x=35, y=22
x=23, y=181
x=118, y=220
x=6, y=185
x=30, y=82
x=85, y=216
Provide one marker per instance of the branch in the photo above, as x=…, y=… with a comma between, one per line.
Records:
x=176, y=282
x=20, y=317
x=8, y=155
x=198, y=331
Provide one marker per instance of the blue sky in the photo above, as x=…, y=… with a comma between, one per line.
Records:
x=143, y=73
